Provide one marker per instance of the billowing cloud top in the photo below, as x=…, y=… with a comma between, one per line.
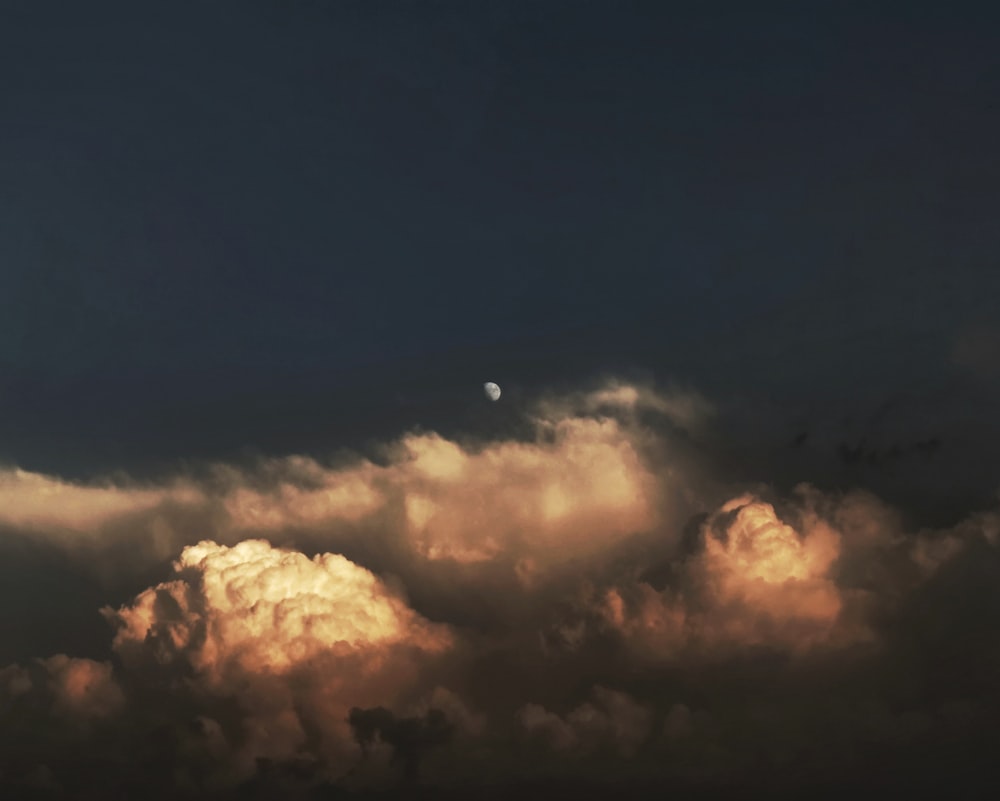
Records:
x=269, y=610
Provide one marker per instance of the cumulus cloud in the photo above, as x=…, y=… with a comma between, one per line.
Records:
x=772, y=581
x=585, y=489
x=819, y=580
x=323, y=622
x=303, y=493
x=754, y=581
x=464, y=720
x=60, y=709
x=83, y=687
x=296, y=641
x=580, y=486
x=77, y=690
x=610, y=719
x=269, y=609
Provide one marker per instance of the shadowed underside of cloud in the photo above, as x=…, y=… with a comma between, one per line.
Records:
x=585, y=603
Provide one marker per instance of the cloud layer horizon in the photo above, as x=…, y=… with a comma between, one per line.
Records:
x=589, y=601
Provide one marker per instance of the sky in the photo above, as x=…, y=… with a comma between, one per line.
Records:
x=732, y=527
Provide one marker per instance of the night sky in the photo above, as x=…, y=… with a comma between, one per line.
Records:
x=733, y=525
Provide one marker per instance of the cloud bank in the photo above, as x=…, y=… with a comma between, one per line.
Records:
x=586, y=603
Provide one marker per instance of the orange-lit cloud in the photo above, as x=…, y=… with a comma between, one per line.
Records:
x=302, y=591
x=282, y=633
x=305, y=494
x=45, y=504
x=78, y=689
x=584, y=489
x=767, y=570
x=755, y=581
x=581, y=485
x=84, y=687
x=270, y=609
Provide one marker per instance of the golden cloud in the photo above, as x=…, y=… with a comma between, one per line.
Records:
x=296, y=641
x=585, y=488
x=756, y=581
x=269, y=609
x=291, y=638
x=42, y=503
x=581, y=485
x=764, y=564
x=83, y=687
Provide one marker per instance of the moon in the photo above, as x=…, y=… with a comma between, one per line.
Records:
x=492, y=391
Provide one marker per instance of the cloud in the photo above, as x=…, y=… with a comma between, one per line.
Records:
x=59, y=709
x=611, y=719
x=83, y=687
x=111, y=530
x=586, y=488
x=41, y=503
x=77, y=690
x=586, y=599
x=408, y=737
x=683, y=409
x=295, y=641
x=90, y=517
x=755, y=581
x=581, y=483
x=270, y=609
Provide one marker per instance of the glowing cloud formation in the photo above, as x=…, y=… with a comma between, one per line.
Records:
x=297, y=641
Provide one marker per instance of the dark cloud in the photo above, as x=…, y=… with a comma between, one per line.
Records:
x=409, y=737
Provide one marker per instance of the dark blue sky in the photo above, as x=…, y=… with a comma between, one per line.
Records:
x=281, y=226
